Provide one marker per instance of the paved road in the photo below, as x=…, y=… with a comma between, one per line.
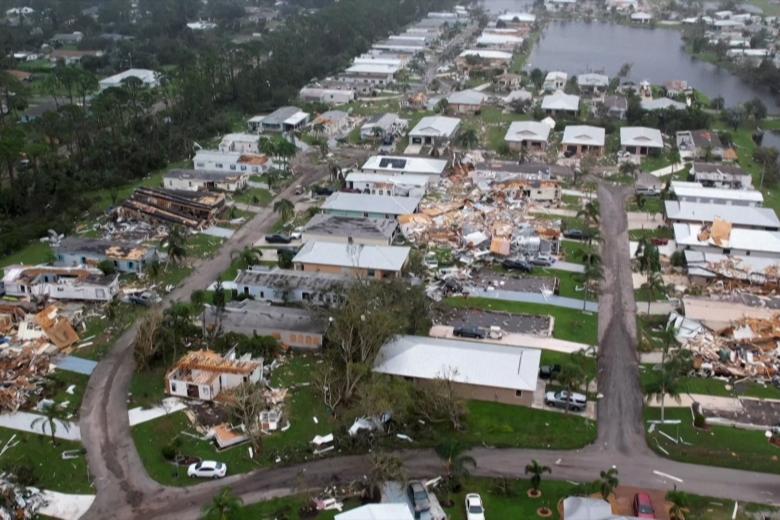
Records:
x=124, y=490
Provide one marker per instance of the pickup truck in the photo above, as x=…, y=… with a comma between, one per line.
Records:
x=563, y=399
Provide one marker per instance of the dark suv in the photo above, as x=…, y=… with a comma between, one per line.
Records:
x=468, y=331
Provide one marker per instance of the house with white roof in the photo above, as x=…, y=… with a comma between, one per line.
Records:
x=434, y=130
x=561, y=104
x=513, y=19
x=370, y=206
x=332, y=124
x=382, y=125
x=404, y=165
x=747, y=217
x=664, y=103
x=483, y=59
x=640, y=140
x=384, y=511
x=499, y=41
x=466, y=102
x=527, y=135
x=282, y=120
x=329, y=96
x=479, y=370
x=388, y=183
x=721, y=175
x=583, y=139
x=641, y=17
x=204, y=180
x=236, y=162
x=358, y=260
x=560, y=5
x=592, y=83
x=695, y=192
x=149, y=78
x=721, y=237
x=240, y=142
x=366, y=77
x=555, y=80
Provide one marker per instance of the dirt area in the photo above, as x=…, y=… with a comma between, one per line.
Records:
x=520, y=323
x=530, y=284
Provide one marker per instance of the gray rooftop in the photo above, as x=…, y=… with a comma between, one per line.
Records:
x=280, y=115
x=201, y=175
x=287, y=279
x=359, y=202
x=324, y=224
x=250, y=317
x=737, y=215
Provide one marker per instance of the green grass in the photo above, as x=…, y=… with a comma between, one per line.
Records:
x=574, y=250
x=643, y=295
x=254, y=196
x=202, y=246
x=659, y=232
x=570, y=324
x=567, y=281
x=147, y=387
x=104, y=331
x=652, y=163
x=649, y=205
x=43, y=460
x=709, y=386
x=33, y=253
x=59, y=381
x=506, y=425
x=717, y=446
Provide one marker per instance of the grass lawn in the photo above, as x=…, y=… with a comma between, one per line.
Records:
x=716, y=446
x=659, y=232
x=705, y=386
x=35, y=455
x=202, y=246
x=60, y=381
x=574, y=250
x=652, y=163
x=650, y=205
x=567, y=281
x=643, y=295
x=570, y=324
x=33, y=253
x=254, y=196
x=147, y=388
x=505, y=425
x=104, y=331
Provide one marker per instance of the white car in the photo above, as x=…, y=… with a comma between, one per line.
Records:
x=207, y=469
x=474, y=508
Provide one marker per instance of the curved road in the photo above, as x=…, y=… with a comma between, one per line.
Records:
x=124, y=490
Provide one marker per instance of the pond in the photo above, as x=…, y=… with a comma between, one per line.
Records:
x=655, y=54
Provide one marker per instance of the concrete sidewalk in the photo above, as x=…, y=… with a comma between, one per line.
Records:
x=168, y=406
x=21, y=421
x=535, y=298
x=710, y=402
x=64, y=505
x=519, y=340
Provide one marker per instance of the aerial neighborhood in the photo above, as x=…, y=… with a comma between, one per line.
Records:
x=398, y=260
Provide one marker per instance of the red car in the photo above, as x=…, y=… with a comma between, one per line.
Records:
x=643, y=506
x=660, y=241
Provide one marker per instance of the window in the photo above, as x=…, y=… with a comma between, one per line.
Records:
x=246, y=290
x=518, y=393
x=262, y=295
x=371, y=273
x=218, y=165
x=243, y=167
x=232, y=166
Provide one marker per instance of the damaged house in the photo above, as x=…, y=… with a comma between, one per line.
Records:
x=284, y=286
x=721, y=175
x=127, y=257
x=50, y=325
x=203, y=180
x=187, y=208
x=204, y=374
x=60, y=283
x=294, y=328
x=358, y=260
x=721, y=237
x=370, y=206
x=388, y=184
x=404, y=165
x=696, y=192
x=367, y=231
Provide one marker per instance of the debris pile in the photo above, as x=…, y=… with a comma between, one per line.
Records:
x=19, y=502
x=22, y=374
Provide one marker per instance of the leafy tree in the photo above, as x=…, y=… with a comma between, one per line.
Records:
x=608, y=481
x=248, y=256
x=457, y=465
x=107, y=267
x=679, y=507
x=224, y=506
x=536, y=471
x=571, y=377
x=648, y=257
x=385, y=467
x=654, y=286
x=468, y=138
x=285, y=209
x=246, y=402
x=52, y=418
x=176, y=248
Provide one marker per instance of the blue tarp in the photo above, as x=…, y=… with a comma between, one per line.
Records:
x=77, y=365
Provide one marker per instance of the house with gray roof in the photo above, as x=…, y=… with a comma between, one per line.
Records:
x=592, y=84
x=466, y=102
x=284, y=286
x=748, y=217
x=370, y=206
x=350, y=230
x=281, y=120
x=721, y=175
x=357, y=260
x=664, y=103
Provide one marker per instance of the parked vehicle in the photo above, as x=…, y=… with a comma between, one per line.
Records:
x=207, y=469
x=277, y=239
x=659, y=241
x=297, y=233
x=517, y=265
x=563, y=399
x=549, y=371
x=543, y=260
x=648, y=191
x=474, y=508
x=643, y=506
x=299, y=189
x=418, y=497
x=576, y=234
x=469, y=332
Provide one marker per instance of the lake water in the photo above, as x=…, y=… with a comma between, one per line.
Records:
x=656, y=55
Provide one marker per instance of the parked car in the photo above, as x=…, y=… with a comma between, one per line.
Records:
x=299, y=189
x=659, y=241
x=297, y=233
x=277, y=239
x=549, y=371
x=563, y=399
x=207, y=469
x=543, y=260
x=418, y=497
x=576, y=234
x=517, y=265
x=474, y=508
x=643, y=506
x=469, y=332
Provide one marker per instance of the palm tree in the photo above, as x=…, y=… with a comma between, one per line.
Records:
x=248, y=256
x=608, y=481
x=590, y=213
x=647, y=257
x=457, y=466
x=679, y=501
x=667, y=384
x=654, y=286
x=468, y=138
x=629, y=168
x=52, y=417
x=224, y=506
x=285, y=209
x=592, y=274
x=571, y=378
x=384, y=468
x=176, y=244
x=536, y=471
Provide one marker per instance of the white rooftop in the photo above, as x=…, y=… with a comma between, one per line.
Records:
x=360, y=256
x=487, y=54
x=437, y=126
x=390, y=178
x=517, y=17
x=527, y=130
x=499, y=39
x=394, y=511
x=559, y=100
x=363, y=202
x=662, y=104
x=695, y=190
x=753, y=240
x=737, y=215
x=469, y=362
x=148, y=77
x=374, y=68
x=403, y=164
x=583, y=135
x=591, y=79
x=641, y=136
x=466, y=97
